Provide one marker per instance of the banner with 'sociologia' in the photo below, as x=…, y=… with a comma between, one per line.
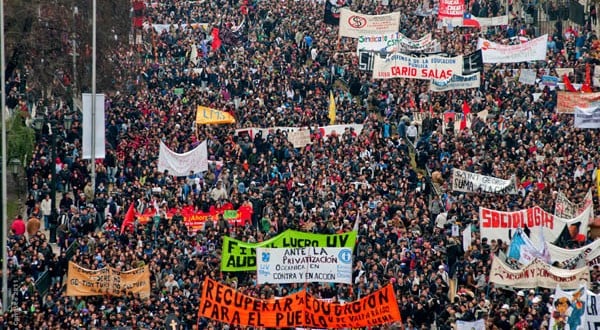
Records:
x=426, y=68
x=241, y=256
x=301, y=265
x=537, y=274
x=224, y=304
x=354, y=25
x=477, y=183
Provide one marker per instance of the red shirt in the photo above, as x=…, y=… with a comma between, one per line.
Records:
x=18, y=227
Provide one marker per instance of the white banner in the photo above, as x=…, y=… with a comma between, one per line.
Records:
x=588, y=255
x=564, y=208
x=574, y=310
x=476, y=183
x=475, y=325
x=99, y=128
x=587, y=117
x=354, y=25
x=537, y=274
x=396, y=43
x=181, y=164
x=501, y=225
x=324, y=130
x=455, y=82
x=491, y=21
x=299, y=139
x=301, y=265
x=404, y=66
x=533, y=50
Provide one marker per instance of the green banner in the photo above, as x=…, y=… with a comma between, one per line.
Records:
x=241, y=256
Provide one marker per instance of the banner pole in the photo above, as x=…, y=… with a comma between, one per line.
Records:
x=93, y=128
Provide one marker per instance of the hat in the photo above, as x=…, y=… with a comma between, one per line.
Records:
x=505, y=306
x=537, y=300
x=521, y=293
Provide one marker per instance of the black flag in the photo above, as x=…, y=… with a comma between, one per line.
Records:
x=472, y=63
x=331, y=15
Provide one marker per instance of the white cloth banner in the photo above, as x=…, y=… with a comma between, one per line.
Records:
x=476, y=183
x=537, y=274
x=301, y=265
x=395, y=43
x=404, y=66
x=354, y=25
x=574, y=310
x=564, y=208
x=500, y=225
x=455, y=82
x=475, y=325
x=532, y=50
x=299, y=139
x=491, y=21
x=588, y=255
x=587, y=117
x=181, y=164
x=98, y=134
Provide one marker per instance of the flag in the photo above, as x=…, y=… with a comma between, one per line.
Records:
x=216, y=41
x=598, y=181
x=356, y=222
x=194, y=54
x=204, y=49
x=431, y=109
x=412, y=103
x=568, y=86
x=156, y=207
x=332, y=110
x=129, y=218
x=206, y=115
x=331, y=15
x=587, y=85
x=470, y=21
x=138, y=13
x=466, y=111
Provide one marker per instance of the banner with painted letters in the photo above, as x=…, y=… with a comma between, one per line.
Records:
x=306, y=264
x=354, y=25
x=588, y=255
x=537, y=274
x=107, y=281
x=477, y=183
x=564, y=208
x=241, y=256
x=567, y=101
x=575, y=310
x=181, y=164
x=587, y=117
x=501, y=225
x=396, y=43
x=426, y=68
x=451, y=11
x=455, y=82
x=532, y=50
x=227, y=305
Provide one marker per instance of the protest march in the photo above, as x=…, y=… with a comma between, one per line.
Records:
x=325, y=164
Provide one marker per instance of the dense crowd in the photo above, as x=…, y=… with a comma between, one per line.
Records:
x=276, y=66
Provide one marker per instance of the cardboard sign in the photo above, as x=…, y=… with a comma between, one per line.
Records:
x=107, y=281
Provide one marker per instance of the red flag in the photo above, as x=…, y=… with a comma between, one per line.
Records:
x=465, y=108
x=568, y=86
x=431, y=109
x=412, y=103
x=216, y=42
x=129, y=218
x=463, y=122
x=587, y=85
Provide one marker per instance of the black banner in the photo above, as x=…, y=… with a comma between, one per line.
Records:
x=472, y=63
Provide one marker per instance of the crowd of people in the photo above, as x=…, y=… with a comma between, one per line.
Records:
x=276, y=66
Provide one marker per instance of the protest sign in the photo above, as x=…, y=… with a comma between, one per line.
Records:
x=406, y=66
x=301, y=265
x=299, y=139
x=241, y=256
x=455, y=82
x=570, y=310
x=474, y=325
x=451, y=11
x=182, y=164
x=501, y=225
x=395, y=42
x=224, y=304
x=206, y=115
x=532, y=50
x=588, y=255
x=564, y=208
x=567, y=101
x=107, y=281
x=537, y=274
x=476, y=183
x=549, y=81
x=587, y=117
x=527, y=76
x=354, y=25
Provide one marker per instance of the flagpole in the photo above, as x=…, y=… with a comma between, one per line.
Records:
x=4, y=170
x=93, y=128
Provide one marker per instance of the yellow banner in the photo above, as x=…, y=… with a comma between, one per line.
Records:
x=206, y=115
x=107, y=281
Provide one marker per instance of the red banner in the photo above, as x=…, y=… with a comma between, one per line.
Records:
x=195, y=219
x=451, y=9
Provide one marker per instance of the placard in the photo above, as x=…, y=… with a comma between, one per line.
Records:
x=476, y=183
x=567, y=101
x=299, y=139
x=587, y=117
x=354, y=25
x=527, y=76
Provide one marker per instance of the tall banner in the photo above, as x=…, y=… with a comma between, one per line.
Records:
x=588, y=255
x=532, y=50
x=354, y=25
x=455, y=82
x=395, y=43
x=306, y=264
x=571, y=310
x=566, y=102
x=426, y=68
x=331, y=14
x=502, y=225
x=241, y=256
x=564, y=208
x=98, y=128
x=107, y=281
x=587, y=117
x=224, y=304
x=182, y=164
x=476, y=183
x=451, y=11
x=537, y=274
x=474, y=325
x=206, y=115
x=472, y=63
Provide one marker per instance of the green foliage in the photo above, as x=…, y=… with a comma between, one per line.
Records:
x=20, y=139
